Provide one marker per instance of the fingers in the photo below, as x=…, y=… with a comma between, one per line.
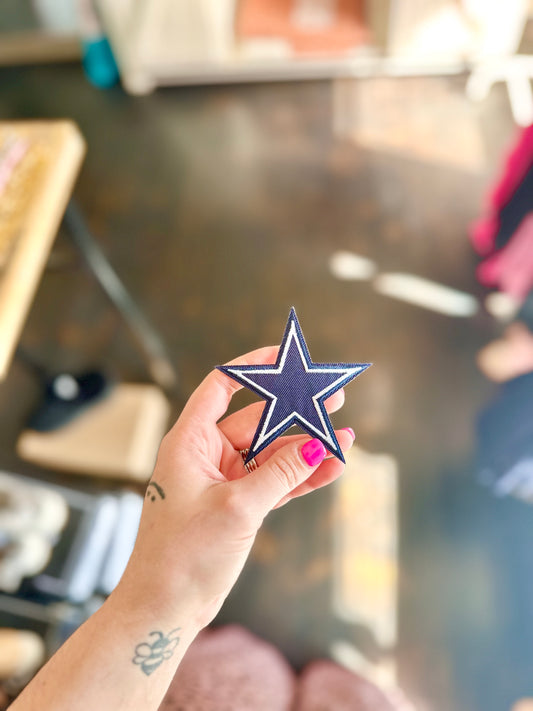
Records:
x=232, y=461
x=240, y=427
x=211, y=398
x=327, y=472
x=288, y=469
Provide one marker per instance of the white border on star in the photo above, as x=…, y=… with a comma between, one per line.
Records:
x=264, y=435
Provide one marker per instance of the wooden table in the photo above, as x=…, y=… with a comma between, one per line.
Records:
x=39, y=162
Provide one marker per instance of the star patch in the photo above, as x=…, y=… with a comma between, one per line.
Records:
x=295, y=389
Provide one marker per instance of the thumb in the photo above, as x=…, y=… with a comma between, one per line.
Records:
x=280, y=474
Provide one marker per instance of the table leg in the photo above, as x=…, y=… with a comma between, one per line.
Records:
x=150, y=342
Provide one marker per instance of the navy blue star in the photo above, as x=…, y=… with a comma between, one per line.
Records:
x=295, y=389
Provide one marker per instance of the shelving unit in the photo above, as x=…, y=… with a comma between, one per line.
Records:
x=177, y=42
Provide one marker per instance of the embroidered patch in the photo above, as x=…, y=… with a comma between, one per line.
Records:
x=295, y=389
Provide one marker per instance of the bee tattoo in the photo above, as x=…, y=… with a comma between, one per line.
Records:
x=150, y=655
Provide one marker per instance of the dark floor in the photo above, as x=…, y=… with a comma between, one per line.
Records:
x=220, y=208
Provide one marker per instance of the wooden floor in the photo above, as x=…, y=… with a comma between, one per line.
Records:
x=220, y=208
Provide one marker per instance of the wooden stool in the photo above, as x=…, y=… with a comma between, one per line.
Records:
x=117, y=437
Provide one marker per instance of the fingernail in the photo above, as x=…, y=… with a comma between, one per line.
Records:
x=313, y=452
x=349, y=429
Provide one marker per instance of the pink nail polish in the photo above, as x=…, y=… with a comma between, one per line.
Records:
x=313, y=452
x=349, y=429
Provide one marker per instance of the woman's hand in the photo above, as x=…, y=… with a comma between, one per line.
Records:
x=203, y=509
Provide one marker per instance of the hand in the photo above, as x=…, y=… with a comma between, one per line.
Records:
x=203, y=510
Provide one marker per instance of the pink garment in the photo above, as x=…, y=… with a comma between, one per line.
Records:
x=511, y=268
x=229, y=669
x=483, y=232
x=325, y=686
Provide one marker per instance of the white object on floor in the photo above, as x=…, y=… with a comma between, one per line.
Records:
x=502, y=306
x=427, y=294
x=351, y=267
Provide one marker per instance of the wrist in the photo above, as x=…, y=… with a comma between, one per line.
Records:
x=162, y=599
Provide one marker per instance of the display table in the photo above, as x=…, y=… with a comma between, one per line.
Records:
x=39, y=162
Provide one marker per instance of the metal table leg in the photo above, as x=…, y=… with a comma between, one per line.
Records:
x=151, y=344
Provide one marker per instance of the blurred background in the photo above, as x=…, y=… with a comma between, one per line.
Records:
x=174, y=176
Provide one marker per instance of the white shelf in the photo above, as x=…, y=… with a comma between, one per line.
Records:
x=179, y=42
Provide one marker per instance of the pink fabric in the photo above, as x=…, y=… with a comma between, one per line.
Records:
x=325, y=686
x=483, y=232
x=511, y=268
x=518, y=163
x=230, y=669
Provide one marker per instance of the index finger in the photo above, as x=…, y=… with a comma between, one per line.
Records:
x=211, y=398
